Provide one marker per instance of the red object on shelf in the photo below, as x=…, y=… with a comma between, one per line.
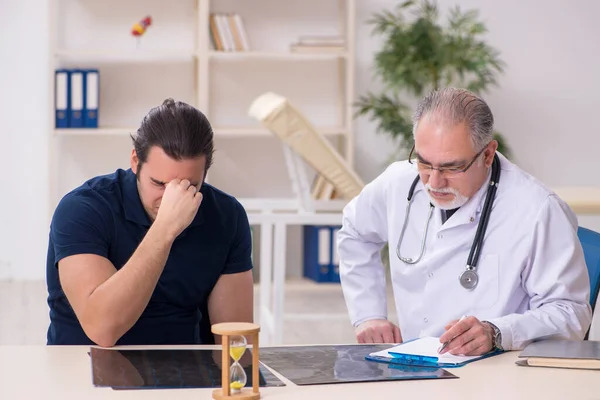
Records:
x=139, y=28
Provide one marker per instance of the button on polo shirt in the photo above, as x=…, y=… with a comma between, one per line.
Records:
x=105, y=216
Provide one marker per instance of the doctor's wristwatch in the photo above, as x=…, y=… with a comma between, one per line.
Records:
x=496, y=336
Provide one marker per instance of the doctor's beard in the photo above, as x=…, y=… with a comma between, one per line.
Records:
x=458, y=201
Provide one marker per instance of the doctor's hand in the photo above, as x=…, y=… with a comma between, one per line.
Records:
x=469, y=337
x=378, y=331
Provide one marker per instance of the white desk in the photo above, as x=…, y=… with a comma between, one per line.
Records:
x=40, y=372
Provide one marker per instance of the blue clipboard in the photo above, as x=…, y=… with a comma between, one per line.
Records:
x=416, y=360
x=424, y=361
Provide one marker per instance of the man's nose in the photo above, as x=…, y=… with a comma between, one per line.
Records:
x=436, y=179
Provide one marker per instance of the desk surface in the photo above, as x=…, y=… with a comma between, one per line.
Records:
x=41, y=372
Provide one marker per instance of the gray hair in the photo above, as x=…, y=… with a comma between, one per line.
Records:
x=455, y=106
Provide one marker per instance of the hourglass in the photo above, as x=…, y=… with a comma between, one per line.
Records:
x=233, y=376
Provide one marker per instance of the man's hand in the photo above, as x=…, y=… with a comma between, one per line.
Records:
x=178, y=206
x=469, y=337
x=378, y=331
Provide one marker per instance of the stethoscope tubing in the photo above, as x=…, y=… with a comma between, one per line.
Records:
x=481, y=227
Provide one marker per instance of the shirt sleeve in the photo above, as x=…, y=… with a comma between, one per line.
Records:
x=556, y=280
x=362, y=236
x=80, y=226
x=240, y=252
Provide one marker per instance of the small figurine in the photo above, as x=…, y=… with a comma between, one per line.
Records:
x=139, y=28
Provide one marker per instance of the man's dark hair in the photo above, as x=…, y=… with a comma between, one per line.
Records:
x=180, y=130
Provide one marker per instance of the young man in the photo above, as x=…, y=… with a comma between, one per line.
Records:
x=530, y=280
x=148, y=255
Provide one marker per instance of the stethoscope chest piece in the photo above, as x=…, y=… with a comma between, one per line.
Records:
x=469, y=279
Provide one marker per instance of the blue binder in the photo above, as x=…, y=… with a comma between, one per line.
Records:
x=91, y=99
x=77, y=95
x=321, y=262
x=62, y=98
x=334, y=268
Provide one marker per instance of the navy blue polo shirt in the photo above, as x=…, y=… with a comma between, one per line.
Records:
x=105, y=216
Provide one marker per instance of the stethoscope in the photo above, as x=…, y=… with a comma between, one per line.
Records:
x=469, y=278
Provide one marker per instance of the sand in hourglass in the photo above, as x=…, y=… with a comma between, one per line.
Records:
x=236, y=351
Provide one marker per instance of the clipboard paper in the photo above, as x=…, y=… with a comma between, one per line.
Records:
x=423, y=352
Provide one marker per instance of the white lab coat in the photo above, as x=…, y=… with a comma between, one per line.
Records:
x=533, y=281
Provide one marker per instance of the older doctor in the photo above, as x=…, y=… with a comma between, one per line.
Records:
x=528, y=279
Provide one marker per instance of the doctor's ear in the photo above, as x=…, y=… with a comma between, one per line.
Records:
x=489, y=153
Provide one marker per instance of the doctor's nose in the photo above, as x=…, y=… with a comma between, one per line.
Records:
x=436, y=179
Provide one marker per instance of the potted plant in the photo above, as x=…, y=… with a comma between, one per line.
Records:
x=420, y=54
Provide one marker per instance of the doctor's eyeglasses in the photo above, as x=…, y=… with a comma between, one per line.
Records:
x=447, y=172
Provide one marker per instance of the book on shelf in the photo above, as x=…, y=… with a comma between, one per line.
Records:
x=322, y=40
x=227, y=32
x=318, y=44
x=298, y=48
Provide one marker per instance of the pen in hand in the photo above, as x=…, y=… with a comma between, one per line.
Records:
x=448, y=342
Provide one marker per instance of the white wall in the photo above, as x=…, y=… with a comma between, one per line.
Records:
x=548, y=95
x=24, y=122
x=544, y=106
x=547, y=99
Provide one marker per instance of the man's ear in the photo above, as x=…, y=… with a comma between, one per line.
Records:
x=134, y=161
x=490, y=152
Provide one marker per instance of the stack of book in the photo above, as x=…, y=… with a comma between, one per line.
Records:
x=559, y=353
x=227, y=32
x=318, y=44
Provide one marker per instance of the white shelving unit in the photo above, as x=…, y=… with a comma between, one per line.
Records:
x=84, y=34
x=175, y=58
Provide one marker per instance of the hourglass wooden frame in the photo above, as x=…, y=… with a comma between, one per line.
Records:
x=225, y=330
